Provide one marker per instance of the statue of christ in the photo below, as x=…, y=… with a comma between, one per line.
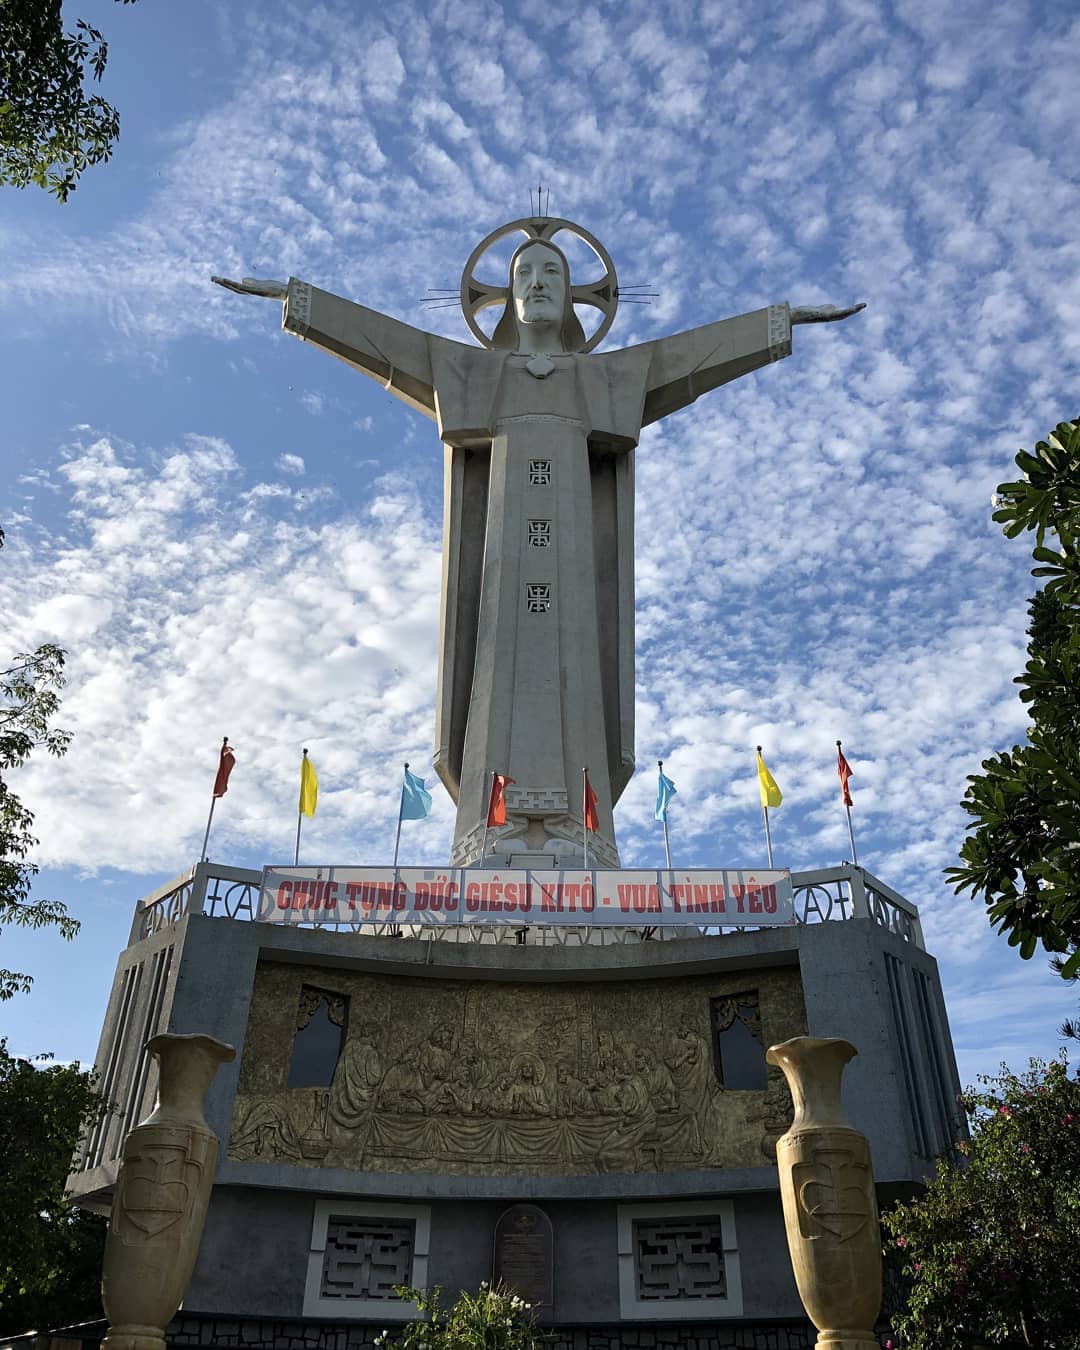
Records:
x=536, y=654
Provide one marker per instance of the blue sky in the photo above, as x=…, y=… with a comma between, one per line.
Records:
x=233, y=534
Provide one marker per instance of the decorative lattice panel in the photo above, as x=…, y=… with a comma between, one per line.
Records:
x=539, y=472
x=537, y=597
x=679, y=1259
x=539, y=533
x=365, y=1258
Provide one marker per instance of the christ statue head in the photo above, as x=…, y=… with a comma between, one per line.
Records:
x=539, y=301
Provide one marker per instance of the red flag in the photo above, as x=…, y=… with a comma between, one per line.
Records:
x=228, y=758
x=843, y=768
x=497, y=802
x=592, y=820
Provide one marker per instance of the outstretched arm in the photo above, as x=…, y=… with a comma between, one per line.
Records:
x=273, y=290
x=683, y=367
x=394, y=353
x=824, y=313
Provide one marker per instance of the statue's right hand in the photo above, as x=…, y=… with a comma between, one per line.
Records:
x=273, y=290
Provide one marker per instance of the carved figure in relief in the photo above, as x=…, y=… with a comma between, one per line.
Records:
x=357, y=1077
x=636, y=1124
x=657, y=1078
x=437, y=1057
x=402, y=1086
x=527, y=1094
x=459, y=1094
x=572, y=1097
x=605, y=1099
x=537, y=430
x=265, y=1131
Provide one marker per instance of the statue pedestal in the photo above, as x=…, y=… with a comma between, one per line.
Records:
x=505, y=857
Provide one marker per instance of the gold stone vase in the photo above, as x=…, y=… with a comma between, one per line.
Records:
x=827, y=1187
x=162, y=1194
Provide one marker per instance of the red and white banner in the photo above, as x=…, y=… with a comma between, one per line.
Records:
x=731, y=897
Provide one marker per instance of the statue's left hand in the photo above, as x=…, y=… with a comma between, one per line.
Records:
x=824, y=313
x=273, y=290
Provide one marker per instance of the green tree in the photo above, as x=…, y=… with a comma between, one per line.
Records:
x=1022, y=853
x=29, y=697
x=990, y=1249
x=491, y=1319
x=50, y=129
x=50, y=1253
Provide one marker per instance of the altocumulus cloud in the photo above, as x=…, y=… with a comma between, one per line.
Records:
x=184, y=626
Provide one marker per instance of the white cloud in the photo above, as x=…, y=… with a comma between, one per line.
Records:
x=276, y=632
x=290, y=464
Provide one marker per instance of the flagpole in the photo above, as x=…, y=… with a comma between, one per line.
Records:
x=213, y=803
x=585, y=812
x=850, y=828
x=401, y=806
x=214, y=794
x=667, y=838
x=299, y=815
x=487, y=813
x=768, y=832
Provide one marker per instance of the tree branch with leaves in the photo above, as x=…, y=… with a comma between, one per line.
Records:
x=1022, y=853
x=29, y=700
x=50, y=128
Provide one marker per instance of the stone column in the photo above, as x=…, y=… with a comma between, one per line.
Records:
x=830, y=1207
x=162, y=1194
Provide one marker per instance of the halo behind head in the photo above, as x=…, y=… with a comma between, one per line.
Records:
x=602, y=294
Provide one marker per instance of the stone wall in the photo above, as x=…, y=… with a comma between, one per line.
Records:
x=193, y=1333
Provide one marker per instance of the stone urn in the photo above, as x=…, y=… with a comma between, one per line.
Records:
x=162, y=1194
x=827, y=1187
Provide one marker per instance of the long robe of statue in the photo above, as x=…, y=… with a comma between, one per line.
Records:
x=536, y=656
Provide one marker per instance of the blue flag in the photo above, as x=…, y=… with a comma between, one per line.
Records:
x=665, y=790
x=415, y=798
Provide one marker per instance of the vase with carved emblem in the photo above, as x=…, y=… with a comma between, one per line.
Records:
x=162, y=1194
x=827, y=1187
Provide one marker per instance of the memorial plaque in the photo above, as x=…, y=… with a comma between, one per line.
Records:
x=524, y=1255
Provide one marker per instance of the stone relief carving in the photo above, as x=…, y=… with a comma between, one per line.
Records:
x=452, y=1077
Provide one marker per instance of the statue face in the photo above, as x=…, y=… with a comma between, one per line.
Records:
x=539, y=286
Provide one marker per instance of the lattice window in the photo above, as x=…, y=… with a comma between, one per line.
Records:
x=537, y=597
x=540, y=533
x=539, y=472
x=679, y=1259
x=364, y=1258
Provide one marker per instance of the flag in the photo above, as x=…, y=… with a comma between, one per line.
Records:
x=665, y=790
x=592, y=820
x=415, y=798
x=770, y=793
x=844, y=770
x=497, y=803
x=309, y=787
x=225, y=764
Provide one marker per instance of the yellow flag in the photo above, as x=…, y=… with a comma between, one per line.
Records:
x=309, y=786
x=770, y=793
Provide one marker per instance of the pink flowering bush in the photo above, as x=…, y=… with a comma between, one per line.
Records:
x=991, y=1251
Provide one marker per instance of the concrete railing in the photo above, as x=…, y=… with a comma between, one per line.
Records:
x=825, y=895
